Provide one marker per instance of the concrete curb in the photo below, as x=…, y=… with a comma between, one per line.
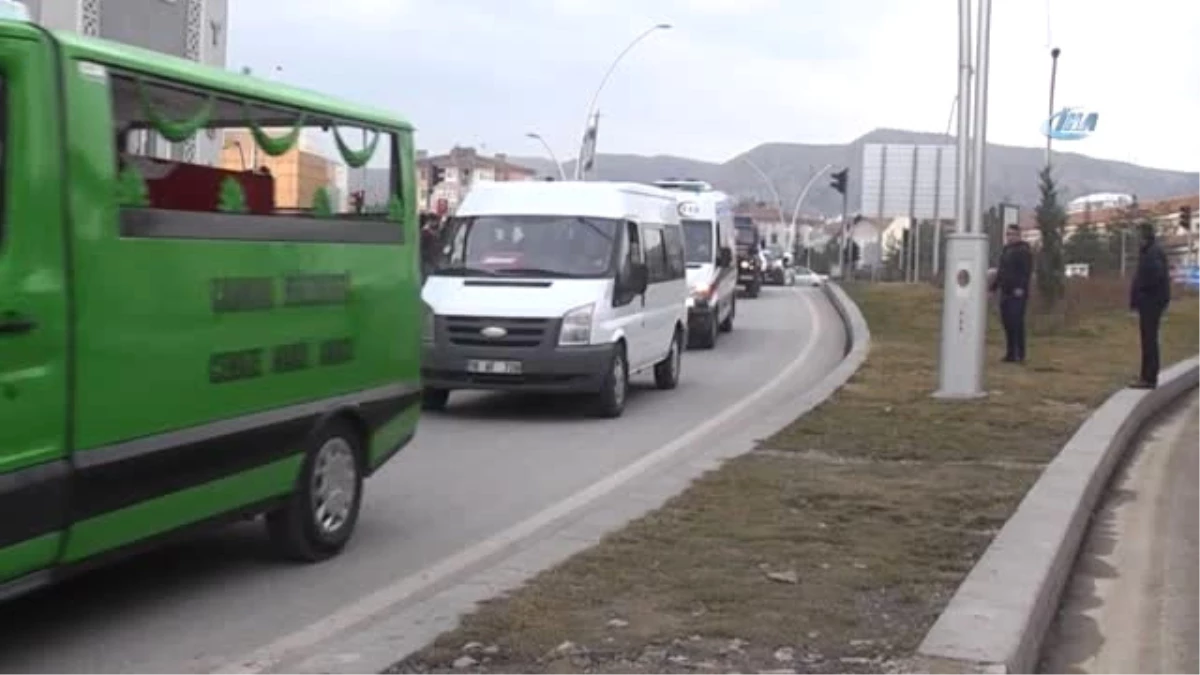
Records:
x=998, y=617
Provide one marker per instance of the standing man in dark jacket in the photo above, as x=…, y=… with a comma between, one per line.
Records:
x=1149, y=295
x=1012, y=280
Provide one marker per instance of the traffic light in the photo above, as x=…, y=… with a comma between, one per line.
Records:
x=437, y=175
x=839, y=181
x=1185, y=217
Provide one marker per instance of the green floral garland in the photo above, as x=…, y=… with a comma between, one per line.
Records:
x=176, y=132
x=356, y=159
x=273, y=146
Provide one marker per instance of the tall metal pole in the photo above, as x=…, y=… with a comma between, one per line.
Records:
x=1050, y=112
x=962, y=200
x=603, y=81
x=964, y=306
x=979, y=154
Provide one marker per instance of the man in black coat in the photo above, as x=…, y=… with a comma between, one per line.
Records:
x=1012, y=280
x=1149, y=295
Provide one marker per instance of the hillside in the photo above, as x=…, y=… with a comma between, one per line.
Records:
x=1011, y=171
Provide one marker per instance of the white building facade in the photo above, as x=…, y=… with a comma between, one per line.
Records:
x=192, y=29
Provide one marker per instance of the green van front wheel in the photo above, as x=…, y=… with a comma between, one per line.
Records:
x=319, y=517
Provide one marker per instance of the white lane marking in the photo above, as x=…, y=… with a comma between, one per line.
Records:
x=269, y=656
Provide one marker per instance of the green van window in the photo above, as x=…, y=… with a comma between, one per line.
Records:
x=204, y=151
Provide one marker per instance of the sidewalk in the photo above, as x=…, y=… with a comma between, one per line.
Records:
x=1131, y=606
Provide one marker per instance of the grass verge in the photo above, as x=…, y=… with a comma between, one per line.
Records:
x=833, y=546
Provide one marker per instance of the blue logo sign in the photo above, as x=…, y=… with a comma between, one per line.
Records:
x=1070, y=124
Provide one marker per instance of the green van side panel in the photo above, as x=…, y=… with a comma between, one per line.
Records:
x=133, y=523
x=31, y=269
x=392, y=434
x=28, y=556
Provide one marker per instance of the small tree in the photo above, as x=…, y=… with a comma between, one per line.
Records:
x=231, y=198
x=1051, y=220
x=322, y=204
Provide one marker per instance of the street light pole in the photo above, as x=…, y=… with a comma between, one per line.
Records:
x=800, y=200
x=562, y=175
x=770, y=186
x=603, y=81
x=1049, y=115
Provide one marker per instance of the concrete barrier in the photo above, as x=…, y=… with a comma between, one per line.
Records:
x=857, y=332
x=997, y=619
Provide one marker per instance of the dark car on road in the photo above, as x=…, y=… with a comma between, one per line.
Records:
x=749, y=258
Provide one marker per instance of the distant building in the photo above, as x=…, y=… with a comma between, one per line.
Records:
x=191, y=29
x=298, y=173
x=1099, y=200
x=460, y=169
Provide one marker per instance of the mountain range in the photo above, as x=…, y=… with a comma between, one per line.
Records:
x=1011, y=172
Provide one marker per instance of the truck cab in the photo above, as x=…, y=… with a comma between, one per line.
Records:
x=750, y=263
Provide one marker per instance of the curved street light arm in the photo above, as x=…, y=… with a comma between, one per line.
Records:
x=800, y=200
x=770, y=186
x=603, y=81
x=562, y=175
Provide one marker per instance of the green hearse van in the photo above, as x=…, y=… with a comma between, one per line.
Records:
x=195, y=327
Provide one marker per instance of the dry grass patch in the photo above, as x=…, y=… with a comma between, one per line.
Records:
x=834, y=550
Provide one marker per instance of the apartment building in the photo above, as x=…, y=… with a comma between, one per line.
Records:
x=443, y=180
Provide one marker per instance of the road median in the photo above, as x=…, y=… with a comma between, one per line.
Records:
x=837, y=542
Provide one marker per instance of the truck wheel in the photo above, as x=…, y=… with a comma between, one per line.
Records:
x=666, y=372
x=319, y=517
x=610, y=402
x=727, y=324
x=433, y=398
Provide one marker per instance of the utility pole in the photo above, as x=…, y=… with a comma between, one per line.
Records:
x=840, y=182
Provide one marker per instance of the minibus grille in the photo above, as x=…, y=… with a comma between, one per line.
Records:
x=467, y=331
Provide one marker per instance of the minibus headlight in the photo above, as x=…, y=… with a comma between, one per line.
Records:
x=427, y=324
x=577, y=326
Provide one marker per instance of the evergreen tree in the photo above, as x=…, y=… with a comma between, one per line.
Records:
x=322, y=205
x=231, y=198
x=1049, y=268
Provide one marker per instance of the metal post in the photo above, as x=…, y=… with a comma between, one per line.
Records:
x=1123, y=232
x=911, y=266
x=978, y=165
x=847, y=263
x=937, y=213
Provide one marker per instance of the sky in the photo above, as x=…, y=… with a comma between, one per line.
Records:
x=731, y=74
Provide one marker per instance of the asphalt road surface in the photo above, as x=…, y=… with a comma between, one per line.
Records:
x=488, y=463
x=1132, y=603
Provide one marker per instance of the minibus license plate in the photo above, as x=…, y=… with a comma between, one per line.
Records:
x=494, y=367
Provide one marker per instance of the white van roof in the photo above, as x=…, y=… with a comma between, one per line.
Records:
x=593, y=199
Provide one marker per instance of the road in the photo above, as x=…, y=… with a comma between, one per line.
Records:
x=1132, y=603
x=489, y=463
